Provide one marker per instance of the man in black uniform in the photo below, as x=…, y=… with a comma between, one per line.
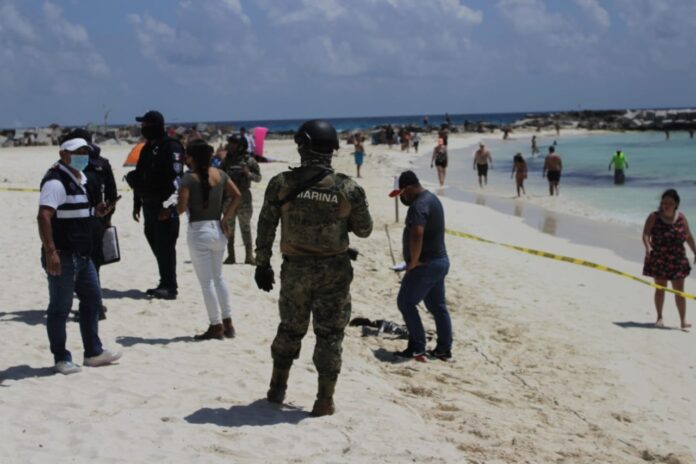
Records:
x=155, y=182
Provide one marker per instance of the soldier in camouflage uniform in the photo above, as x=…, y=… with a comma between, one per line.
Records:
x=243, y=170
x=316, y=208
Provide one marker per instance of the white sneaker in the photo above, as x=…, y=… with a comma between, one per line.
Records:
x=106, y=357
x=66, y=367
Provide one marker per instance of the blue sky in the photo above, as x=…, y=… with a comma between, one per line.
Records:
x=69, y=61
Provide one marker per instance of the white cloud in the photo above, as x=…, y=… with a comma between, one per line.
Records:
x=663, y=31
x=405, y=38
x=462, y=11
x=235, y=6
x=596, y=11
x=544, y=28
x=210, y=46
x=12, y=23
x=47, y=51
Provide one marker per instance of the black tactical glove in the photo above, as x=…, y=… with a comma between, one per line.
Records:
x=264, y=278
x=352, y=254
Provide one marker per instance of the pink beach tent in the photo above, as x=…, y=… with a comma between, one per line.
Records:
x=259, y=138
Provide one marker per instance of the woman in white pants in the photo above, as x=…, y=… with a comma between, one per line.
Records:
x=202, y=194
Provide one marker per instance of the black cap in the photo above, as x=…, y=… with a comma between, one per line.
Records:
x=153, y=117
x=78, y=134
x=405, y=179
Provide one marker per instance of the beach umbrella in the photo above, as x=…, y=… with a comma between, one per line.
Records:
x=134, y=155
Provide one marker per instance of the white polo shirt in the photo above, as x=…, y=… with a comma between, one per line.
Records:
x=53, y=193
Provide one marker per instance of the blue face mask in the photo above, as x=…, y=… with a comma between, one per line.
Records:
x=79, y=162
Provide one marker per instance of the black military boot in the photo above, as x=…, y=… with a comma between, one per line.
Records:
x=249, y=259
x=279, y=383
x=230, y=254
x=324, y=405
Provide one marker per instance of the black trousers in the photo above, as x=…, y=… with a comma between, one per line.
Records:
x=162, y=236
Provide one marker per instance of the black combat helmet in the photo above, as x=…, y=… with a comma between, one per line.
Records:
x=317, y=136
x=239, y=140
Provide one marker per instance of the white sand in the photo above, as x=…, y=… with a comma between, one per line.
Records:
x=542, y=373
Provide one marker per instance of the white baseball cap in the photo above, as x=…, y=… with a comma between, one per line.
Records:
x=73, y=144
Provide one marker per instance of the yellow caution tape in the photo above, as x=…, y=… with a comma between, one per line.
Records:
x=22, y=189
x=568, y=259
x=18, y=189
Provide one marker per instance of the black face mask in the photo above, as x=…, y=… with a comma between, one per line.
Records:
x=404, y=201
x=152, y=132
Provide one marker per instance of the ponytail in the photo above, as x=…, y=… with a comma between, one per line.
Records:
x=201, y=153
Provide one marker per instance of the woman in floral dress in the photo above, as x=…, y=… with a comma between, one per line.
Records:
x=664, y=235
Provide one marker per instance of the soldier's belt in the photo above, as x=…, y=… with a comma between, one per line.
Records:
x=312, y=258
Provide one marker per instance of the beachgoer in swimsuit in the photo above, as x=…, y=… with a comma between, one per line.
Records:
x=552, y=170
x=439, y=159
x=535, y=147
x=359, y=153
x=664, y=235
x=519, y=169
x=482, y=158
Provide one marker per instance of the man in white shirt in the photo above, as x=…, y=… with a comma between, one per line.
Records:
x=251, y=144
x=65, y=231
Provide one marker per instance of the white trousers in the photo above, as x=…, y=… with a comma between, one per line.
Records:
x=207, y=244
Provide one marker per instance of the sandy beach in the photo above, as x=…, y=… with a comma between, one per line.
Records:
x=553, y=362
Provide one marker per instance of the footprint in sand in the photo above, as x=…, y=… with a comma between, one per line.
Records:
x=418, y=391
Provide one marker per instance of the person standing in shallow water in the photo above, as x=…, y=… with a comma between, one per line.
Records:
x=519, y=167
x=482, y=160
x=439, y=159
x=664, y=235
x=620, y=163
x=552, y=170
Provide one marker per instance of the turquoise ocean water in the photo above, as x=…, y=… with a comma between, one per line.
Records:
x=587, y=189
x=591, y=210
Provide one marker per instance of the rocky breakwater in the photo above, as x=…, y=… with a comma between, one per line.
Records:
x=614, y=120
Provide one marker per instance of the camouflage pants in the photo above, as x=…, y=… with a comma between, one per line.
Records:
x=320, y=288
x=243, y=213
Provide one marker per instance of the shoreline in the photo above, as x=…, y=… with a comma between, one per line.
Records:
x=609, y=235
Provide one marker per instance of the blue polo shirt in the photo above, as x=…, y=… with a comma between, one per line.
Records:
x=426, y=210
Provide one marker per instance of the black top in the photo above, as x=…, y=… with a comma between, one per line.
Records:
x=159, y=167
x=426, y=210
x=101, y=184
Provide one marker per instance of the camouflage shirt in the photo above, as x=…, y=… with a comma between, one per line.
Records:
x=317, y=221
x=234, y=165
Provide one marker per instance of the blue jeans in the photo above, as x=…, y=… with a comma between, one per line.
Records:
x=426, y=283
x=77, y=275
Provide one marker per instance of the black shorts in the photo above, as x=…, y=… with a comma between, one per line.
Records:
x=553, y=176
x=482, y=169
x=441, y=163
x=619, y=177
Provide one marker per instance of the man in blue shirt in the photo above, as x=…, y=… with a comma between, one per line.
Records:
x=427, y=265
